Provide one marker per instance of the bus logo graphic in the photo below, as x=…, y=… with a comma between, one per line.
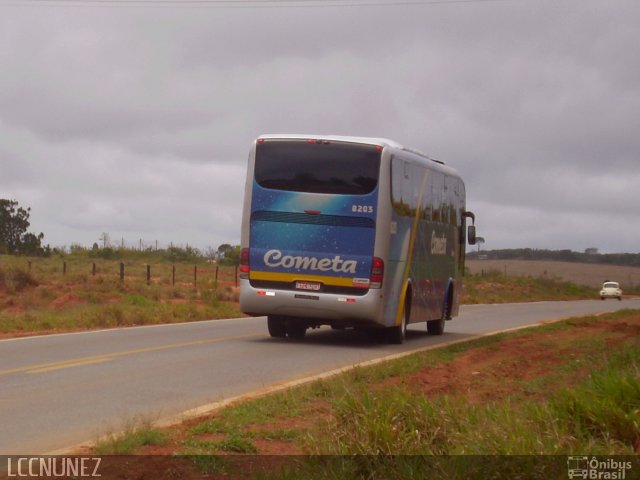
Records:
x=578, y=467
x=275, y=258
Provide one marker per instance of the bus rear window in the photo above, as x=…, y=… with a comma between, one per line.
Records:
x=335, y=168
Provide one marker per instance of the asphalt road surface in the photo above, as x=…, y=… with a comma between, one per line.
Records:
x=59, y=390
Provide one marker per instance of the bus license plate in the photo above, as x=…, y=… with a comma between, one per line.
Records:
x=309, y=286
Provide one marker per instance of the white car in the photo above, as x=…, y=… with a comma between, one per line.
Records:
x=611, y=290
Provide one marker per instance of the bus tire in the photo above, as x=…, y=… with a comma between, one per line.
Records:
x=276, y=327
x=436, y=327
x=295, y=331
x=396, y=335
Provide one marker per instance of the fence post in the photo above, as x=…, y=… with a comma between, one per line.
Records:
x=235, y=275
x=173, y=275
x=148, y=274
x=215, y=285
x=93, y=269
x=121, y=271
x=64, y=268
x=195, y=276
x=29, y=266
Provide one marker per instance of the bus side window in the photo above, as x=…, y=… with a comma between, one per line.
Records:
x=401, y=190
x=437, y=193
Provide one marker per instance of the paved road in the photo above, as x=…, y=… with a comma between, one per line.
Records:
x=59, y=390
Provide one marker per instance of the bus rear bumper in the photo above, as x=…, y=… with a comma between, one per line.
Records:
x=317, y=308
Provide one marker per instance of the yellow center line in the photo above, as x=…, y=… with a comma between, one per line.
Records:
x=70, y=364
x=75, y=362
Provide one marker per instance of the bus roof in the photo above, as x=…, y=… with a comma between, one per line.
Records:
x=383, y=142
x=379, y=141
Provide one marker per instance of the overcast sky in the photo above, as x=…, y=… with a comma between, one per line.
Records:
x=136, y=118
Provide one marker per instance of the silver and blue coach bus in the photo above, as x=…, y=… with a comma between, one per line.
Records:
x=351, y=232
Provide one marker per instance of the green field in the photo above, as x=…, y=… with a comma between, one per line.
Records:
x=588, y=274
x=79, y=291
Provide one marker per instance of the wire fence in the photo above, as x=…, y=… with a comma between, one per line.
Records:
x=166, y=273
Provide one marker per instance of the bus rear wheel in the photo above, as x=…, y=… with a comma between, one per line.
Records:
x=296, y=331
x=436, y=327
x=276, y=327
x=397, y=334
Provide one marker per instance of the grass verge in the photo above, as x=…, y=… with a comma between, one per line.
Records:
x=568, y=388
x=495, y=287
x=38, y=298
x=137, y=434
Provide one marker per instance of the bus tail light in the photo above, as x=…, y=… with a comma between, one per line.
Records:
x=377, y=273
x=244, y=263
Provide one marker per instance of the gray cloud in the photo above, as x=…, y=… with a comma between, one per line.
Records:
x=137, y=121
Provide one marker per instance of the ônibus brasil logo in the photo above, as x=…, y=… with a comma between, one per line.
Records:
x=594, y=468
x=275, y=258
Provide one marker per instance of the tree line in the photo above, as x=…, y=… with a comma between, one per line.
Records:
x=15, y=239
x=591, y=255
x=225, y=254
x=14, y=235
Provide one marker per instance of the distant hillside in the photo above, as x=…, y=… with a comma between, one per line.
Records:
x=590, y=256
x=590, y=274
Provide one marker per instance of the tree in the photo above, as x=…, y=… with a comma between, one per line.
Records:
x=228, y=255
x=223, y=250
x=14, y=238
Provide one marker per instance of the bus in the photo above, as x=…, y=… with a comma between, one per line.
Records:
x=351, y=232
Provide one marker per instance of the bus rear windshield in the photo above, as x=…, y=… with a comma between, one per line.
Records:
x=334, y=168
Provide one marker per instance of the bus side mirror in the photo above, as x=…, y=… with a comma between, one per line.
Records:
x=471, y=234
x=471, y=229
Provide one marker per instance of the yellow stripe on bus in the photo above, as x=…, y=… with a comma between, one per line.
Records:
x=412, y=240
x=292, y=277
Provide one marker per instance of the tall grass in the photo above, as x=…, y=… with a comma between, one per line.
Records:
x=137, y=433
x=606, y=408
x=600, y=415
x=41, y=297
x=496, y=287
x=395, y=434
x=15, y=280
x=111, y=315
